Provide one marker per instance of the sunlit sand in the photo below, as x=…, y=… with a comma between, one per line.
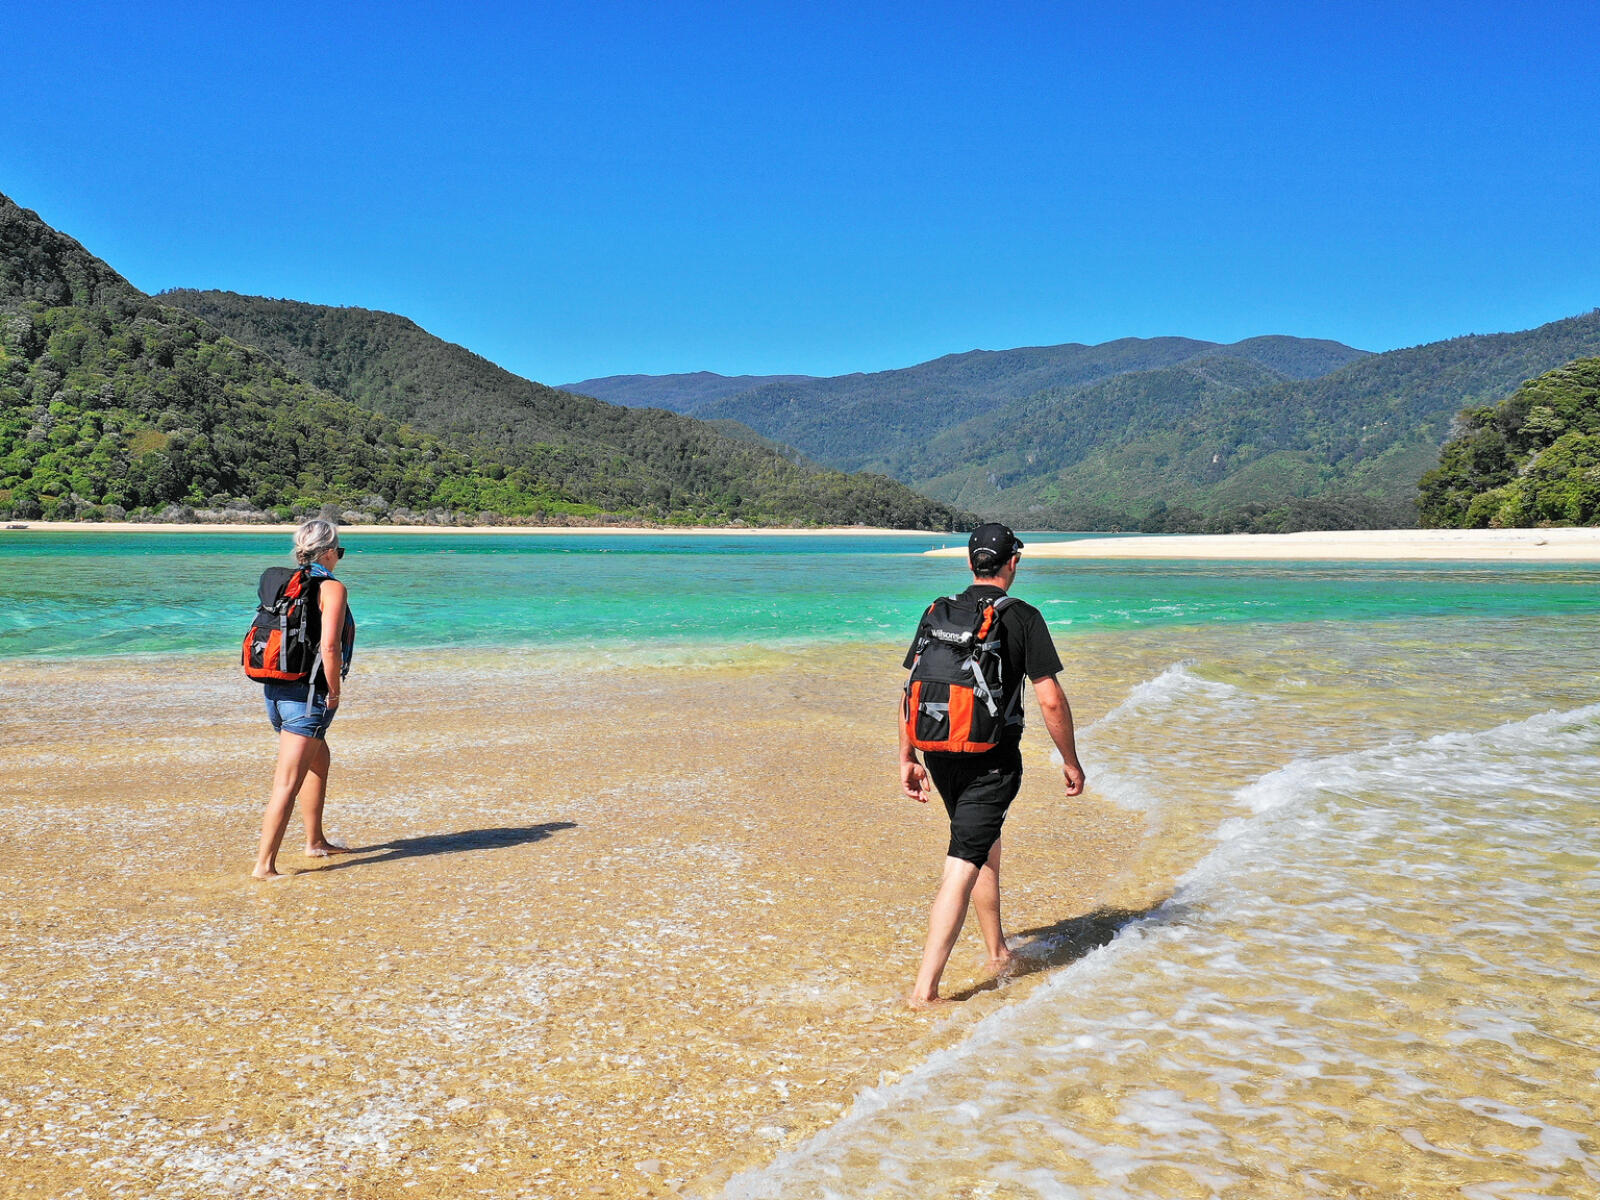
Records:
x=1360, y=545
x=599, y=934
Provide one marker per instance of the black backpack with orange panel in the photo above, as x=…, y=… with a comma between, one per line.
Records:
x=281, y=644
x=954, y=695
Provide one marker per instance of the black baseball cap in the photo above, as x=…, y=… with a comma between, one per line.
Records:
x=994, y=538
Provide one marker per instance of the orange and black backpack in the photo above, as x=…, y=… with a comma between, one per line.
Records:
x=954, y=694
x=283, y=643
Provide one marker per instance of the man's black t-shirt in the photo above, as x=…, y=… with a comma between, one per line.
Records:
x=1025, y=646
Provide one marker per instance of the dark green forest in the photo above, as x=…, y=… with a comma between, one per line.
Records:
x=644, y=461
x=1213, y=445
x=1269, y=434
x=872, y=422
x=208, y=403
x=1533, y=459
x=115, y=403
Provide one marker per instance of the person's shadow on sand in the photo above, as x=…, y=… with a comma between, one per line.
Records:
x=448, y=843
x=1048, y=946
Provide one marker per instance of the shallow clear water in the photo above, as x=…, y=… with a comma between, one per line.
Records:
x=1376, y=975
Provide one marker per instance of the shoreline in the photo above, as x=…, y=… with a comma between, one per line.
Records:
x=1567, y=544
x=459, y=530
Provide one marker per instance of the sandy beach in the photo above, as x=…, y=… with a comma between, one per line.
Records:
x=1359, y=545
x=606, y=934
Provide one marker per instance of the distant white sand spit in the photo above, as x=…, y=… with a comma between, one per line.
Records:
x=1356, y=545
x=457, y=530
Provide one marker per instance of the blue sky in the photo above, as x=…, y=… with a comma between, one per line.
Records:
x=610, y=188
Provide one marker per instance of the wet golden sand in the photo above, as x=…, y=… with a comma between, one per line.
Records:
x=608, y=933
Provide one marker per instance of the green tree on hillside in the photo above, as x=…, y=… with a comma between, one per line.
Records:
x=1532, y=459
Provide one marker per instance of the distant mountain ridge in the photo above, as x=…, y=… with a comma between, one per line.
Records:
x=858, y=422
x=696, y=391
x=1164, y=434
x=686, y=393
x=111, y=400
x=1205, y=444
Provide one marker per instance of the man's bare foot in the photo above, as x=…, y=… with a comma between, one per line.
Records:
x=995, y=968
x=325, y=849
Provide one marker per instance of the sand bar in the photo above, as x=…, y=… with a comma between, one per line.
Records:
x=607, y=933
x=457, y=530
x=1359, y=545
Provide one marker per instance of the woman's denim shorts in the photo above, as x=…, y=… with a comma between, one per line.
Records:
x=287, y=709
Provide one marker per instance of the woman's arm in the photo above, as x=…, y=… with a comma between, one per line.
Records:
x=332, y=600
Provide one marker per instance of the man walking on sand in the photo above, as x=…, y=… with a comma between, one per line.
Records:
x=977, y=784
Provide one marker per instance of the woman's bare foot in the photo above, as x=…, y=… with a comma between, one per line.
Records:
x=325, y=849
x=920, y=1004
x=268, y=875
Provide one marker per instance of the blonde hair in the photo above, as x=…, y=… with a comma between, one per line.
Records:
x=313, y=539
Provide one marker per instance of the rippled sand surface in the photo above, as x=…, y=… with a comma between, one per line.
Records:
x=611, y=933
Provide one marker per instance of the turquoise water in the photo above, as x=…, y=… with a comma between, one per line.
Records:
x=90, y=594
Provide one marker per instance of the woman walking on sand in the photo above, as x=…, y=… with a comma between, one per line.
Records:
x=301, y=713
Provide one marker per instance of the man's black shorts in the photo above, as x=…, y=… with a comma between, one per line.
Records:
x=977, y=789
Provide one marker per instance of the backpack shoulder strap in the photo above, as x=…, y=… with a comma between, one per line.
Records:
x=991, y=629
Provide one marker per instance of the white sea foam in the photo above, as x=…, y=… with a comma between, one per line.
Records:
x=1182, y=705
x=1176, y=685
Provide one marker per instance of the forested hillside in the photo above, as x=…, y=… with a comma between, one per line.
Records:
x=644, y=461
x=1164, y=434
x=113, y=402
x=869, y=421
x=1532, y=459
x=1208, y=445
x=686, y=393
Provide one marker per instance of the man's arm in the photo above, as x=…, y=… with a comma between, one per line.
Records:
x=914, y=779
x=1057, y=715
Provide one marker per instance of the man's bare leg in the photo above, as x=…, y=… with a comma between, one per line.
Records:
x=295, y=754
x=313, y=794
x=986, y=904
x=944, y=926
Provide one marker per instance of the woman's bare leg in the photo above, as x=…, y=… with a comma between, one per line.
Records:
x=986, y=906
x=295, y=754
x=313, y=793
